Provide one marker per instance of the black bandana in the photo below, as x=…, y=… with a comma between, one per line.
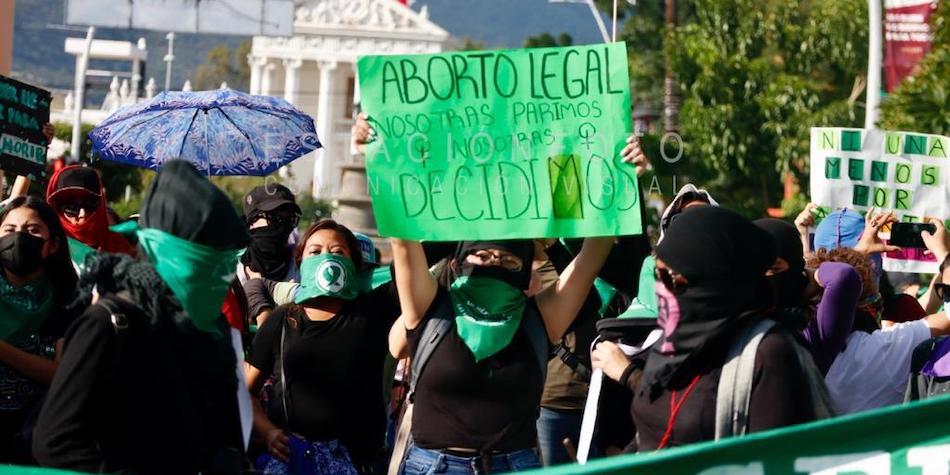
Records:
x=268, y=252
x=521, y=248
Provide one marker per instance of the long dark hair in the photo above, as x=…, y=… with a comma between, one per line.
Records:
x=351, y=243
x=59, y=266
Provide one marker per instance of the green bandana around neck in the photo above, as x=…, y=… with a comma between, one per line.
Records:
x=487, y=313
x=327, y=275
x=79, y=251
x=23, y=310
x=198, y=275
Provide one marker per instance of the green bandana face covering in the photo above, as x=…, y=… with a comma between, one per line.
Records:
x=327, y=275
x=198, y=275
x=23, y=311
x=487, y=313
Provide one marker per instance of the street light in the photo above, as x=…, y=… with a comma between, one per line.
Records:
x=593, y=11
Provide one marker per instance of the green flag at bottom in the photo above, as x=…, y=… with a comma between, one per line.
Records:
x=912, y=439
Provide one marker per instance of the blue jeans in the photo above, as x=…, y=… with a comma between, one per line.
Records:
x=553, y=427
x=421, y=461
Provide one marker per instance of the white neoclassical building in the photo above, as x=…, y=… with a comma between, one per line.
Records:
x=316, y=71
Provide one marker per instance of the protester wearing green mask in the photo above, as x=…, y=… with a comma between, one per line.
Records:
x=148, y=382
x=36, y=282
x=476, y=402
x=327, y=349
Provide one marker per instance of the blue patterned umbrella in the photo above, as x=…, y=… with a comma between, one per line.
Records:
x=222, y=132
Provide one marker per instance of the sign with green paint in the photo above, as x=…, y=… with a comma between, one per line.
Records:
x=24, y=110
x=501, y=144
x=901, y=440
x=905, y=172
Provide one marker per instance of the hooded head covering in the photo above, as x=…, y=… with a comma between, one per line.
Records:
x=521, y=248
x=687, y=194
x=724, y=258
x=788, y=286
x=74, y=182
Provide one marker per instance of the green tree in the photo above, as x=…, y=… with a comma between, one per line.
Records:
x=545, y=40
x=223, y=65
x=754, y=77
x=922, y=103
x=468, y=44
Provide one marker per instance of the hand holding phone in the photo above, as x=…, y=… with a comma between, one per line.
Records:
x=908, y=234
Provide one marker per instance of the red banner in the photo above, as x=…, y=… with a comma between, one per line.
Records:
x=907, y=37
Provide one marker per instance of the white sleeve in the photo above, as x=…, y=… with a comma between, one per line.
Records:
x=896, y=346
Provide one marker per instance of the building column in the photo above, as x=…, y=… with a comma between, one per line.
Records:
x=266, y=76
x=323, y=167
x=257, y=64
x=292, y=79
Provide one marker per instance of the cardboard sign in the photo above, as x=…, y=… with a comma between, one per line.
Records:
x=905, y=172
x=24, y=110
x=501, y=144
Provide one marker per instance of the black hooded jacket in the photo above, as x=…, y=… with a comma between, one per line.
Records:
x=140, y=389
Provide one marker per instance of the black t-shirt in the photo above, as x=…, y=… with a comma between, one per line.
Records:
x=779, y=398
x=335, y=371
x=489, y=405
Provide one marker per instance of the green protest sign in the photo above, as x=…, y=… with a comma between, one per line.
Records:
x=901, y=440
x=501, y=144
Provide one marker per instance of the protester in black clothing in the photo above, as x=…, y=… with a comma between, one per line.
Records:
x=37, y=281
x=792, y=285
x=711, y=288
x=148, y=382
x=271, y=214
x=327, y=349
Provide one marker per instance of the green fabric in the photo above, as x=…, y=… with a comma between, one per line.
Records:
x=644, y=306
x=606, y=292
x=327, y=275
x=23, y=310
x=198, y=275
x=78, y=251
x=487, y=313
x=128, y=227
x=506, y=144
x=900, y=440
x=371, y=279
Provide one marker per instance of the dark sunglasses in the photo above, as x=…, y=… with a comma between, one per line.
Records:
x=282, y=220
x=942, y=291
x=673, y=282
x=72, y=208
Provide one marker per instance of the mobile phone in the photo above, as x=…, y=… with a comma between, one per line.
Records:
x=908, y=234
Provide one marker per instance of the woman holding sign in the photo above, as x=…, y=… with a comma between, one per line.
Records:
x=480, y=348
x=36, y=282
x=327, y=350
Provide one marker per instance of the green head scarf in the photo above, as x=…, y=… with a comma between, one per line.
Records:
x=644, y=306
x=327, y=275
x=487, y=313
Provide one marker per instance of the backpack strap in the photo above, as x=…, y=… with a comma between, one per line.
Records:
x=735, y=383
x=533, y=325
x=434, y=329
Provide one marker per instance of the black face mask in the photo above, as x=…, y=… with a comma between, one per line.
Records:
x=788, y=288
x=21, y=253
x=268, y=252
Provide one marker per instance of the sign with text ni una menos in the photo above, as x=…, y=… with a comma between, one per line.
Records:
x=905, y=172
x=501, y=144
x=24, y=110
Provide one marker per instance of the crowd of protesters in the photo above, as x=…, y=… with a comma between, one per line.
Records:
x=202, y=340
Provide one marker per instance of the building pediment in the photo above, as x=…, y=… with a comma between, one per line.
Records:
x=368, y=18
